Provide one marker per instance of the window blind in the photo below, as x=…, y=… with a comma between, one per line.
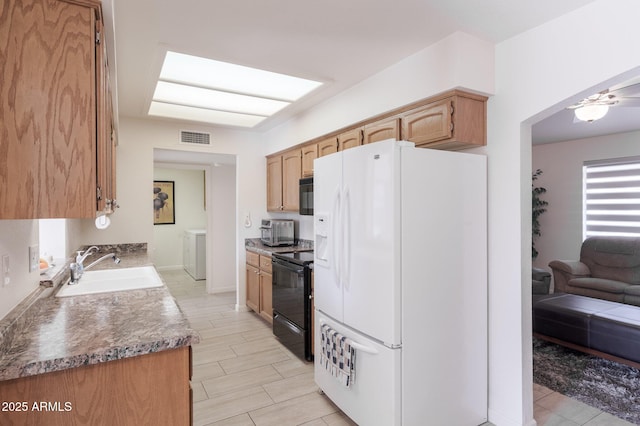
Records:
x=612, y=197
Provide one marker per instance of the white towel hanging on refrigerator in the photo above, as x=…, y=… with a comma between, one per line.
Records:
x=338, y=356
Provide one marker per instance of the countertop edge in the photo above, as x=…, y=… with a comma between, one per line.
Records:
x=255, y=245
x=112, y=354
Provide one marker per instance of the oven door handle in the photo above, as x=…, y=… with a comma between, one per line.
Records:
x=293, y=268
x=287, y=324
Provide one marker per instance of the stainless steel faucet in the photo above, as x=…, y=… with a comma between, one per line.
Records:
x=77, y=268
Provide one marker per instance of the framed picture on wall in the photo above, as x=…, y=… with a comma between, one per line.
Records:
x=164, y=206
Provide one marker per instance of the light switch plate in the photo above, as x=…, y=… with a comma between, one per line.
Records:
x=34, y=258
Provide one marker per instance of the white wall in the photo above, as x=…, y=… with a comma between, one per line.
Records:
x=561, y=164
x=53, y=238
x=189, y=214
x=223, y=232
x=15, y=238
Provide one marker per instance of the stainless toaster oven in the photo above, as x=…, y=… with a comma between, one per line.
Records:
x=277, y=232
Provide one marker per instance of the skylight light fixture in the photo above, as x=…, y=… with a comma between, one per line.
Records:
x=201, y=89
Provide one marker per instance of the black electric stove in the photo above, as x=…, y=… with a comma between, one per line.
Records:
x=292, y=301
x=302, y=258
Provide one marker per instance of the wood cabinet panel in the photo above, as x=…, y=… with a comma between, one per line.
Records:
x=274, y=183
x=456, y=122
x=309, y=153
x=253, y=259
x=266, y=295
x=291, y=174
x=47, y=110
x=283, y=181
x=428, y=124
x=379, y=131
x=106, y=143
x=327, y=146
x=350, y=139
x=265, y=263
x=259, y=285
x=145, y=389
x=253, y=288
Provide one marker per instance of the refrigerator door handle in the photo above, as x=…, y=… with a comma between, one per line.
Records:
x=363, y=348
x=356, y=345
x=334, y=236
x=346, y=234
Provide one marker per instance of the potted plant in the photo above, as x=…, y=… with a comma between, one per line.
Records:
x=538, y=207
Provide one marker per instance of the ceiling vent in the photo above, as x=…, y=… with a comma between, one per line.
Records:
x=195, y=138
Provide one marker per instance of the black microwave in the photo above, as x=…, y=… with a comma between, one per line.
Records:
x=306, y=196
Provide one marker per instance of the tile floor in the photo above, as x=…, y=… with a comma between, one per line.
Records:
x=243, y=376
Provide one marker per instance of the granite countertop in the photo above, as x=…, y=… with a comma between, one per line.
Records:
x=255, y=245
x=53, y=334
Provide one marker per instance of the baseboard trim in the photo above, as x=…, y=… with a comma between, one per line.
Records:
x=499, y=419
x=218, y=290
x=169, y=268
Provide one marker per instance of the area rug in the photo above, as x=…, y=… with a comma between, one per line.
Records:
x=609, y=386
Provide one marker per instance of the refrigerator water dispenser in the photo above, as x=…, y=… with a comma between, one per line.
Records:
x=321, y=244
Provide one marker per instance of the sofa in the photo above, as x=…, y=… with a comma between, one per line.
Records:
x=609, y=269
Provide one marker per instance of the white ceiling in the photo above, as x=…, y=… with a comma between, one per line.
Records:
x=334, y=41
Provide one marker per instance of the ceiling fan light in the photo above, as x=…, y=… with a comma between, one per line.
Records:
x=591, y=112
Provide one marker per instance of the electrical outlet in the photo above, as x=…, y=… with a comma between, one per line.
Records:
x=34, y=258
x=6, y=278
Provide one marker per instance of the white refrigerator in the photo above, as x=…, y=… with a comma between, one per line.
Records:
x=401, y=272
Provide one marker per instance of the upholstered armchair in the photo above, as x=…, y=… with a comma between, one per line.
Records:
x=540, y=281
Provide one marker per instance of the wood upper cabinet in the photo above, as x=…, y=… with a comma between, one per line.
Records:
x=106, y=141
x=327, y=146
x=455, y=122
x=274, y=183
x=283, y=181
x=291, y=174
x=50, y=122
x=350, y=139
x=382, y=130
x=309, y=153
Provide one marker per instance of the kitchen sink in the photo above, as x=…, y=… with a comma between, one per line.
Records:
x=109, y=280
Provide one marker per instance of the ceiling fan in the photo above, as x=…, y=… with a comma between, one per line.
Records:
x=596, y=106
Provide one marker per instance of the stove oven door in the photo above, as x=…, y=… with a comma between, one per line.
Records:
x=291, y=315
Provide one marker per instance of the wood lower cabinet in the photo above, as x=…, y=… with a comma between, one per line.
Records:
x=53, y=109
x=253, y=287
x=150, y=389
x=259, y=285
x=266, y=296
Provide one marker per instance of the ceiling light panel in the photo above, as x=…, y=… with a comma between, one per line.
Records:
x=183, y=112
x=213, y=99
x=203, y=72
